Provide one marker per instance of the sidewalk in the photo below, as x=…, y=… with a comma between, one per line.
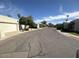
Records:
x=68, y=34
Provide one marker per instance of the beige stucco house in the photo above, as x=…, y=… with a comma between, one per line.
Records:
x=7, y=24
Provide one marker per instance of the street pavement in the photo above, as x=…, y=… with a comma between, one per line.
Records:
x=43, y=43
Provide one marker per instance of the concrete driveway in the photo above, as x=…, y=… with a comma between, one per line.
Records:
x=44, y=43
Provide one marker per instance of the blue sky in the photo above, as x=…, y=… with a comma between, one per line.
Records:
x=53, y=11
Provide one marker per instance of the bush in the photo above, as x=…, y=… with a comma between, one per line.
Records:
x=59, y=26
x=27, y=29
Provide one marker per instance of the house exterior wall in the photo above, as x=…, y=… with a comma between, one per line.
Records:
x=76, y=26
x=7, y=27
x=7, y=24
x=66, y=26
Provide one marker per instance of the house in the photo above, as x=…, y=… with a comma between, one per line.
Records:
x=76, y=25
x=7, y=24
x=72, y=26
x=66, y=26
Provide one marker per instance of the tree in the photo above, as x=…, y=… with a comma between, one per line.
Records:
x=59, y=26
x=19, y=16
x=22, y=20
x=43, y=24
x=30, y=21
x=27, y=21
x=50, y=25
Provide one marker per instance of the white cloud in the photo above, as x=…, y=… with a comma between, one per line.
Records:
x=73, y=14
x=58, y=17
x=8, y=8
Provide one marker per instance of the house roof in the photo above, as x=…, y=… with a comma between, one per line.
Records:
x=7, y=19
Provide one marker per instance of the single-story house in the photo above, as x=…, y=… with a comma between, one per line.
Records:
x=72, y=26
x=7, y=24
x=76, y=25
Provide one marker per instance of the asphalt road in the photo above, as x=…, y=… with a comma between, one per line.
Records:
x=44, y=43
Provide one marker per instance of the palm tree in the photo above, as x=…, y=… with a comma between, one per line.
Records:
x=19, y=16
x=67, y=18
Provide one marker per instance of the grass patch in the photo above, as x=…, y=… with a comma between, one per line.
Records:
x=74, y=33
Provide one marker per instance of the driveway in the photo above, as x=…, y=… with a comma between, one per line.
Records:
x=44, y=43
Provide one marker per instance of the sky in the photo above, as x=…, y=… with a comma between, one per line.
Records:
x=53, y=11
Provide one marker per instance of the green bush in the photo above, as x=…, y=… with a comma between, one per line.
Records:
x=59, y=26
x=27, y=29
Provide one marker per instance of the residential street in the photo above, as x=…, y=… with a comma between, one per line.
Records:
x=43, y=43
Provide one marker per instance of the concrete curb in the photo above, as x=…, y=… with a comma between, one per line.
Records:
x=68, y=34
